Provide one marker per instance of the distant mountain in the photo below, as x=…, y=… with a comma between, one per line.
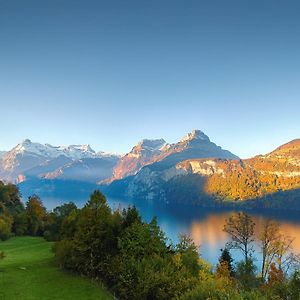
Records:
x=87, y=169
x=194, y=170
x=194, y=145
x=144, y=153
x=210, y=180
x=29, y=159
x=2, y=153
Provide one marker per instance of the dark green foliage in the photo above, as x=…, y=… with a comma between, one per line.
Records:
x=226, y=257
x=245, y=273
x=20, y=223
x=12, y=219
x=142, y=240
x=68, y=225
x=130, y=216
x=131, y=256
x=189, y=254
x=10, y=198
x=294, y=286
x=61, y=213
x=36, y=216
x=63, y=254
x=94, y=241
x=5, y=226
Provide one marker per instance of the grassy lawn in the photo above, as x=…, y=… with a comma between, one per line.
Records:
x=28, y=272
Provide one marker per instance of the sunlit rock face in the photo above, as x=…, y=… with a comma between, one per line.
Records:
x=194, y=145
x=144, y=153
x=34, y=160
x=194, y=179
x=172, y=161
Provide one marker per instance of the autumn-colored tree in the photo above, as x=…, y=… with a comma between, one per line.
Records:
x=285, y=258
x=275, y=275
x=223, y=269
x=36, y=215
x=240, y=227
x=268, y=239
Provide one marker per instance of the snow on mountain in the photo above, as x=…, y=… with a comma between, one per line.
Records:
x=195, y=134
x=35, y=159
x=49, y=151
x=81, y=162
x=193, y=145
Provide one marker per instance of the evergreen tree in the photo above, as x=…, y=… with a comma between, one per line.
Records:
x=94, y=239
x=226, y=259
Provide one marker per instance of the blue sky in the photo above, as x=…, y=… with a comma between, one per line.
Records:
x=110, y=73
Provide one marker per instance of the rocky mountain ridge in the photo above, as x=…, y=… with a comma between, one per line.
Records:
x=193, y=170
x=198, y=179
x=194, y=145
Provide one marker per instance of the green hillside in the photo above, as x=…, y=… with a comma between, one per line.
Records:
x=28, y=272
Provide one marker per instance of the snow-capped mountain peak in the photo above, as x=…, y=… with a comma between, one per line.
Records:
x=49, y=151
x=26, y=146
x=195, y=135
x=83, y=148
x=152, y=144
x=29, y=158
x=78, y=151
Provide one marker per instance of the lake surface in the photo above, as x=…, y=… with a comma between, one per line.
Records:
x=203, y=225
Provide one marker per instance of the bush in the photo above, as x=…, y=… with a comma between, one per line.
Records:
x=294, y=286
x=245, y=273
x=63, y=251
x=5, y=227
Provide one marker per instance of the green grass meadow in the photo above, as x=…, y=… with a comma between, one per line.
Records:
x=28, y=272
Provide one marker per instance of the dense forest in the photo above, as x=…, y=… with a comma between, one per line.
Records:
x=135, y=259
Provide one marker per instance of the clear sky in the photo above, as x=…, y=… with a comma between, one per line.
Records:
x=110, y=73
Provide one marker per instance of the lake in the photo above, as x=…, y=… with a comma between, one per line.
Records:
x=205, y=226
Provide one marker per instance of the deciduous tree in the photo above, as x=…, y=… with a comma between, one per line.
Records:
x=240, y=227
x=268, y=240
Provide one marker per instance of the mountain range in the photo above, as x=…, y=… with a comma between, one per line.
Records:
x=194, y=145
x=193, y=170
x=75, y=162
